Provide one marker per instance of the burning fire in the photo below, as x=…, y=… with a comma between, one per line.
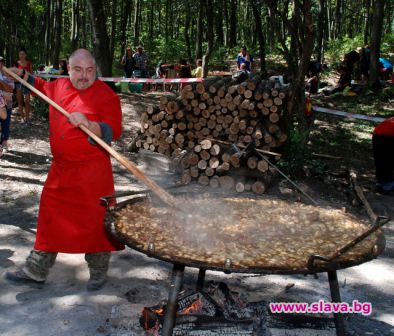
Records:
x=193, y=308
x=151, y=317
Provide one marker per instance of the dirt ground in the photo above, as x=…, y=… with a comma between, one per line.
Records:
x=64, y=307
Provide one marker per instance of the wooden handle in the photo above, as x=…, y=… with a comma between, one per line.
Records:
x=131, y=167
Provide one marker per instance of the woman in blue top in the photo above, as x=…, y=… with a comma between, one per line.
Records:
x=245, y=57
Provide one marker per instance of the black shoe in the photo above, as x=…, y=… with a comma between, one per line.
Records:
x=94, y=285
x=19, y=277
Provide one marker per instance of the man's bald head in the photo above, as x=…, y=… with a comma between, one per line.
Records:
x=82, y=54
x=82, y=69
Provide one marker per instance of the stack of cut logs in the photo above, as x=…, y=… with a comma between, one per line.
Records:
x=216, y=131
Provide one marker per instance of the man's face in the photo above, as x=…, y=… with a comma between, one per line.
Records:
x=140, y=50
x=82, y=71
x=243, y=51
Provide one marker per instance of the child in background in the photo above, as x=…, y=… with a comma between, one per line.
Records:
x=198, y=70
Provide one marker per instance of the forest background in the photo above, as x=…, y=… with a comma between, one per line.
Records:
x=283, y=36
x=170, y=30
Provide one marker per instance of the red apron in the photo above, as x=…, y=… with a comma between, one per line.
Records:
x=71, y=215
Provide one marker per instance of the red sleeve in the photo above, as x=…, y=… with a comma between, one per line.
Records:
x=29, y=66
x=41, y=85
x=111, y=114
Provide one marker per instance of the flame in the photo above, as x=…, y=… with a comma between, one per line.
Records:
x=160, y=311
x=194, y=307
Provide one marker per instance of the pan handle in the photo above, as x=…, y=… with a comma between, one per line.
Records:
x=379, y=222
x=108, y=200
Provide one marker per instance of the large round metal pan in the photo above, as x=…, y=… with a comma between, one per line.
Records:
x=241, y=234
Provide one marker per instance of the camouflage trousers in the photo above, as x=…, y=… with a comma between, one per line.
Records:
x=38, y=263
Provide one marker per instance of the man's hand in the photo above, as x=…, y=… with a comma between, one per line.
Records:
x=78, y=118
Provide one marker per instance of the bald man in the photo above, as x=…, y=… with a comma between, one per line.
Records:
x=71, y=215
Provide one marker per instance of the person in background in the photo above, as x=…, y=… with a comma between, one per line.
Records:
x=198, y=70
x=365, y=60
x=343, y=82
x=383, y=152
x=63, y=71
x=160, y=72
x=350, y=59
x=184, y=70
x=385, y=68
x=71, y=216
x=242, y=74
x=128, y=63
x=314, y=70
x=6, y=88
x=22, y=93
x=141, y=63
x=312, y=83
x=245, y=58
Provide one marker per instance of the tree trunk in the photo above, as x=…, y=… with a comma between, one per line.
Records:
x=75, y=24
x=186, y=33
x=137, y=17
x=123, y=25
x=298, y=56
x=226, y=24
x=233, y=24
x=219, y=23
x=57, y=34
x=100, y=38
x=260, y=36
x=338, y=18
x=389, y=17
x=48, y=29
x=151, y=16
x=210, y=37
x=113, y=29
x=376, y=37
x=320, y=31
x=367, y=24
x=199, y=29
x=296, y=104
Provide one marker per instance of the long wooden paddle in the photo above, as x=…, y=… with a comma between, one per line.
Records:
x=131, y=167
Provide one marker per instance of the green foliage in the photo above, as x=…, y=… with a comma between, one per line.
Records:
x=296, y=153
x=387, y=46
x=40, y=108
x=338, y=48
x=170, y=50
x=37, y=6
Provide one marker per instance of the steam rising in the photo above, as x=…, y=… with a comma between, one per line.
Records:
x=252, y=233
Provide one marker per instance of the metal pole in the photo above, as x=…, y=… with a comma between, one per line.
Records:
x=288, y=179
x=201, y=279
x=171, y=307
x=336, y=297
